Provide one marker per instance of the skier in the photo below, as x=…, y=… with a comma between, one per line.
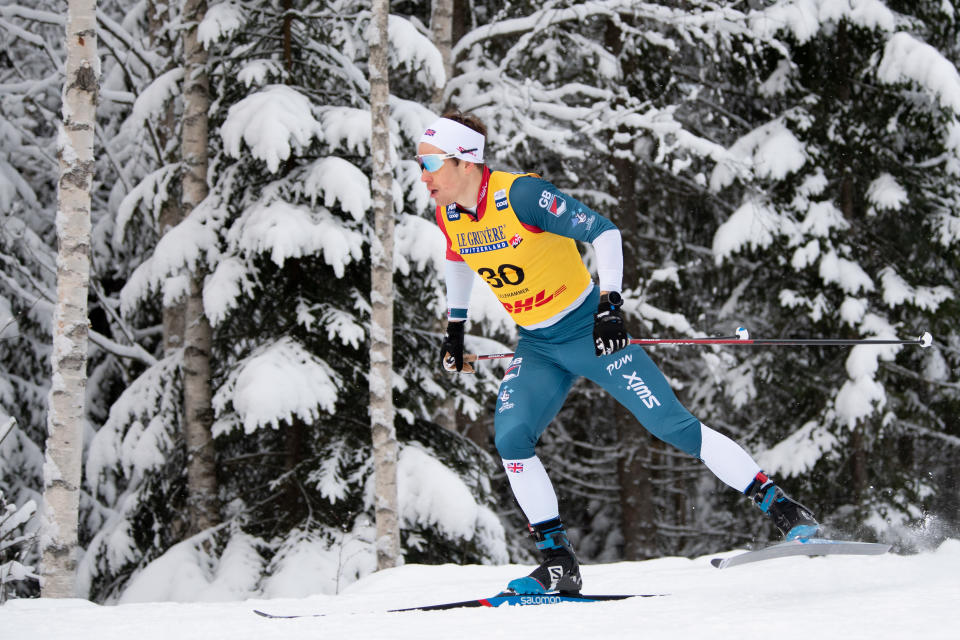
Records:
x=519, y=233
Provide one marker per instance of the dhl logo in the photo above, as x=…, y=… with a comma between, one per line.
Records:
x=529, y=304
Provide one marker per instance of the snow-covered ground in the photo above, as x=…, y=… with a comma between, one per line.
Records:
x=843, y=597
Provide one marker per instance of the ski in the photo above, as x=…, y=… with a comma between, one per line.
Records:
x=804, y=547
x=511, y=599
x=506, y=598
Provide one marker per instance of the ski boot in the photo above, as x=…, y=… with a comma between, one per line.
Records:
x=559, y=570
x=792, y=518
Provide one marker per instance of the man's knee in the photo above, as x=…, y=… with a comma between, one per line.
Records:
x=514, y=442
x=685, y=435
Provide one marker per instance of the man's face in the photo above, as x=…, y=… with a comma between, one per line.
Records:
x=448, y=183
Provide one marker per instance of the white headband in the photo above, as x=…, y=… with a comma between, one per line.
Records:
x=453, y=137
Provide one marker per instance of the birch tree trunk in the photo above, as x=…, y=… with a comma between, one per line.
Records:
x=202, y=505
x=441, y=26
x=381, y=299
x=65, y=416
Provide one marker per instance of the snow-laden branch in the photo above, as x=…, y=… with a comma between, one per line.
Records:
x=133, y=352
x=17, y=11
x=149, y=59
x=682, y=19
x=907, y=59
x=33, y=15
x=538, y=21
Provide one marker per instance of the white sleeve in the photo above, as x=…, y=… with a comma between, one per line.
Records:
x=460, y=279
x=609, y=250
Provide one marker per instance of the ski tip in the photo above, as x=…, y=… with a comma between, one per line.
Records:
x=719, y=563
x=742, y=333
x=925, y=340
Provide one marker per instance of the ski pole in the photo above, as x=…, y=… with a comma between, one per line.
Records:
x=743, y=338
x=742, y=334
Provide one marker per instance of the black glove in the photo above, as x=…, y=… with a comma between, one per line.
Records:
x=609, y=331
x=453, y=345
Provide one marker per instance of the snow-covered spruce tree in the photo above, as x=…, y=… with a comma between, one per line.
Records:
x=283, y=235
x=846, y=228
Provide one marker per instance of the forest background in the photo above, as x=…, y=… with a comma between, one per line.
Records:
x=787, y=166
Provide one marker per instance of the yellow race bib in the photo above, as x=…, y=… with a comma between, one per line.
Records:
x=534, y=274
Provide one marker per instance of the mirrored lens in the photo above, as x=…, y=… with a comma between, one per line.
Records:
x=431, y=162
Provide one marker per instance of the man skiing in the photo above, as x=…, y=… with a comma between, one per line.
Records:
x=519, y=233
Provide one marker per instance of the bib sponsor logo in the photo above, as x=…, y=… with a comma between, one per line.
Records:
x=531, y=302
x=500, y=199
x=515, y=241
x=453, y=213
x=636, y=384
x=489, y=239
x=553, y=203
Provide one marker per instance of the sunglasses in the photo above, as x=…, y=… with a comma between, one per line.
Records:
x=433, y=161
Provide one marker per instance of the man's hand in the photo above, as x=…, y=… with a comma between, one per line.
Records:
x=609, y=331
x=451, y=353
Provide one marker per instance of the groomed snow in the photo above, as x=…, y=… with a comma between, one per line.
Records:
x=848, y=597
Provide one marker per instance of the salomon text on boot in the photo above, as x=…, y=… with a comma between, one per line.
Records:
x=559, y=570
x=792, y=518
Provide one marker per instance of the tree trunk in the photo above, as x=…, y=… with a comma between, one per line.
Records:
x=202, y=505
x=441, y=25
x=65, y=417
x=637, y=499
x=381, y=299
x=637, y=507
x=171, y=212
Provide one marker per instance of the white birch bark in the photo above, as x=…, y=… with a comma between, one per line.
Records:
x=381, y=299
x=65, y=416
x=202, y=508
